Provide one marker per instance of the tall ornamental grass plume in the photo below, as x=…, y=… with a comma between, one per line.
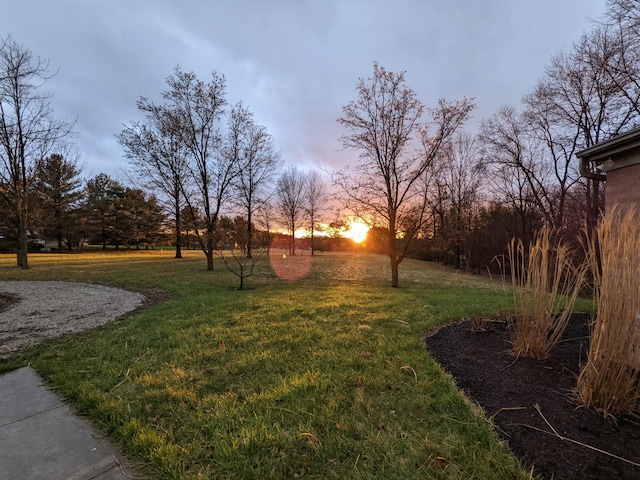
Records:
x=608, y=381
x=545, y=287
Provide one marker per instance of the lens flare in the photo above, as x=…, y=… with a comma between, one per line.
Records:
x=290, y=267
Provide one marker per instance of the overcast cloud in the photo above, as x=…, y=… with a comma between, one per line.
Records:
x=294, y=63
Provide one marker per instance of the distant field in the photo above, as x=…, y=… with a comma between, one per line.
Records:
x=325, y=376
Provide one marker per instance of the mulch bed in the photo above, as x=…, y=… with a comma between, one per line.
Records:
x=508, y=389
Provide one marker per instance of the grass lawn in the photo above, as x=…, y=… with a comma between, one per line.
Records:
x=325, y=376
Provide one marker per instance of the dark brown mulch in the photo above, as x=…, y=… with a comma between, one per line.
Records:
x=508, y=388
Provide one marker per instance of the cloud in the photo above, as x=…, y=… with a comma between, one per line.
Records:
x=293, y=63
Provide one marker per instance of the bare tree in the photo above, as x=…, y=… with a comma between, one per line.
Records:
x=396, y=149
x=508, y=188
x=623, y=68
x=316, y=198
x=578, y=103
x=513, y=159
x=29, y=132
x=195, y=108
x=158, y=156
x=290, y=202
x=583, y=98
x=458, y=175
x=250, y=145
x=265, y=218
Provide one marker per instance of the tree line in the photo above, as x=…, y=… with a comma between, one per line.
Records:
x=432, y=191
x=197, y=164
x=70, y=212
x=427, y=188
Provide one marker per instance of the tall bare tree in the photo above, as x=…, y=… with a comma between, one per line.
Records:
x=315, y=191
x=576, y=104
x=250, y=146
x=196, y=108
x=266, y=220
x=158, y=156
x=512, y=158
x=623, y=68
x=29, y=132
x=396, y=149
x=458, y=174
x=290, y=202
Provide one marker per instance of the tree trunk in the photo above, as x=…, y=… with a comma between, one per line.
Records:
x=21, y=247
x=292, y=242
x=241, y=278
x=178, y=227
x=209, y=247
x=393, y=255
x=313, y=248
x=249, y=235
x=394, y=271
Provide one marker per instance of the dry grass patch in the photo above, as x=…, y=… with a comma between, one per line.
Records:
x=609, y=380
x=545, y=285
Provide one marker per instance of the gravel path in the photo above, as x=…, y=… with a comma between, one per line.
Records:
x=50, y=309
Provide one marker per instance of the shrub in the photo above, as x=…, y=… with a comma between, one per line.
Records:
x=608, y=381
x=545, y=287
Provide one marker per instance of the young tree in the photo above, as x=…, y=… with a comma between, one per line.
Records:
x=315, y=199
x=396, y=149
x=158, y=156
x=250, y=145
x=233, y=233
x=290, y=202
x=28, y=133
x=59, y=192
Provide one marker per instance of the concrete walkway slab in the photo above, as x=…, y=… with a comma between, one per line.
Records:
x=41, y=438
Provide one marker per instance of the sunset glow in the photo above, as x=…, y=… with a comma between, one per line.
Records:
x=357, y=231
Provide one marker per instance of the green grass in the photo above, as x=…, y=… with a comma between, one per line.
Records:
x=323, y=377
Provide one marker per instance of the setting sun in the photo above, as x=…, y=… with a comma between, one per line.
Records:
x=357, y=231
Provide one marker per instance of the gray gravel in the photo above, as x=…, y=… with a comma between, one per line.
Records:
x=50, y=309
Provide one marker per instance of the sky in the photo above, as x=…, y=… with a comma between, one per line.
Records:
x=293, y=63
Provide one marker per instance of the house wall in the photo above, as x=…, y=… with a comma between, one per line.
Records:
x=623, y=187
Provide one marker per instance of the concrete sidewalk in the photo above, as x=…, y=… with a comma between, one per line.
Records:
x=41, y=438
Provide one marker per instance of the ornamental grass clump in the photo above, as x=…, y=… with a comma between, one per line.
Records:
x=545, y=287
x=608, y=382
